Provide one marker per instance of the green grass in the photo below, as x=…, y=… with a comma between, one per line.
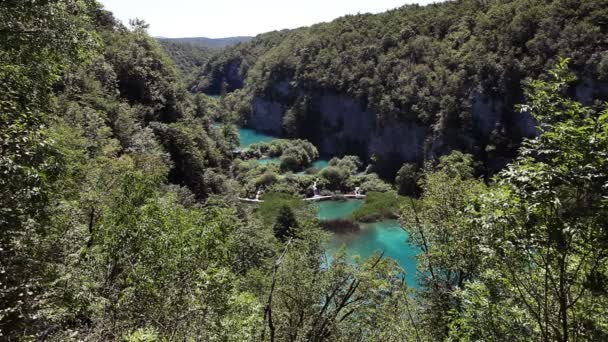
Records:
x=379, y=206
x=273, y=202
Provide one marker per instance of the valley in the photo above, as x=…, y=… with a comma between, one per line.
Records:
x=385, y=236
x=429, y=172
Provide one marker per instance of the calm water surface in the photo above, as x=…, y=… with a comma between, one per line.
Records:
x=320, y=164
x=249, y=136
x=387, y=236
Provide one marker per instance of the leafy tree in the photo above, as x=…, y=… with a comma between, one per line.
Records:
x=285, y=225
x=274, y=204
x=39, y=41
x=407, y=179
x=548, y=219
x=449, y=243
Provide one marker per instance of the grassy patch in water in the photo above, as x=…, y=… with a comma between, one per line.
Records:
x=340, y=226
x=378, y=206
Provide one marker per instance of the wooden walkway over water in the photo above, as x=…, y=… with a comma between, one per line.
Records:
x=311, y=199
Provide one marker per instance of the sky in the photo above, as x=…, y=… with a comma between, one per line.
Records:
x=227, y=18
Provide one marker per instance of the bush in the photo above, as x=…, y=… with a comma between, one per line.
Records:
x=285, y=225
x=335, y=177
x=372, y=183
x=267, y=179
x=293, y=160
x=350, y=164
x=295, y=155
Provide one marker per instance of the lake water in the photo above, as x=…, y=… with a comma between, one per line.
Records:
x=332, y=210
x=267, y=161
x=249, y=136
x=320, y=164
x=387, y=236
x=384, y=236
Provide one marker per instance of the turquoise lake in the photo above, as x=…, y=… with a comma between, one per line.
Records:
x=332, y=210
x=249, y=136
x=267, y=161
x=384, y=236
x=387, y=236
x=320, y=164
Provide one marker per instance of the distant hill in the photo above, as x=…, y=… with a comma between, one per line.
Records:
x=413, y=83
x=188, y=58
x=190, y=54
x=213, y=43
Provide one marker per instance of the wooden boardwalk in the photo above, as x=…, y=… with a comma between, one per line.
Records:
x=311, y=199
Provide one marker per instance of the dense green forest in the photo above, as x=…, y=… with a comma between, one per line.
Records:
x=450, y=73
x=190, y=54
x=211, y=43
x=119, y=211
x=189, y=58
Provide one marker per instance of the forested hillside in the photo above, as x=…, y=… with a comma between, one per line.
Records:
x=444, y=76
x=189, y=58
x=190, y=54
x=121, y=196
x=212, y=43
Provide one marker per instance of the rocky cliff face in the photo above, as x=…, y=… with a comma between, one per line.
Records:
x=347, y=128
x=341, y=125
x=266, y=116
x=445, y=83
x=225, y=79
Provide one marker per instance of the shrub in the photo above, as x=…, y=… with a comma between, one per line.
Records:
x=350, y=164
x=377, y=206
x=335, y=177
x=372, y=183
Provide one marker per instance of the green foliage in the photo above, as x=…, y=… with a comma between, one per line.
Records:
x=378, y=206
x=39, y=41
x=92, y=238
x=525, y=258
x=334, y=177
x=341, y=302
x=549, y=211
x=295, y=155
x=285, y=225
x=370, y=182
x=449, y=243
x=351, y=164
x=407, y=180
x=144, y=74
x=223, y=73
x=142, y=335
x=343, y=175
x=454, y=68
x=275, y=203
x=457, y=165
x=193, y=152
x=118, y=203
x=189, y=58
